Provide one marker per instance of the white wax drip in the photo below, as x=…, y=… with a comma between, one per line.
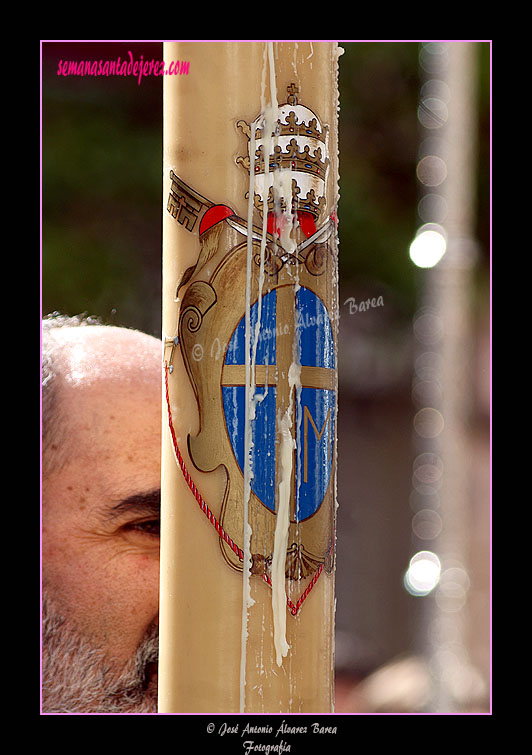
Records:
x=286, y=448
x=281, y=187
x=287, y=222
x=246, y=567
x=271, y=116
x=286, y=454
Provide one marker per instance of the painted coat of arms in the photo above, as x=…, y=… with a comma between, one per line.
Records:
x=290, y=279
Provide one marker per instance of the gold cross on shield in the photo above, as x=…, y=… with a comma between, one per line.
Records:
x=278, y=375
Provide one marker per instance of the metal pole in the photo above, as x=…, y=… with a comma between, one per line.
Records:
x=443, y=369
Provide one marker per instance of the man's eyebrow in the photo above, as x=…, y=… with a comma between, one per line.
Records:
x=140, y=503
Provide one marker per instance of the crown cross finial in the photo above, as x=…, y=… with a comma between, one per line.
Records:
x=292, y=90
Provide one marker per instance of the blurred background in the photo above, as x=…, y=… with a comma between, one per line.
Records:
x=413, y=565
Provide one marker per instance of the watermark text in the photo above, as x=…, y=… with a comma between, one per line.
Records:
x=363, y=306
x=123, y=67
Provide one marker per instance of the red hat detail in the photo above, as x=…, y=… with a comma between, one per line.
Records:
x=214, y=215
x=306, y=223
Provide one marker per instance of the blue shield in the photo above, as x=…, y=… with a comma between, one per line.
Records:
x=315, y=408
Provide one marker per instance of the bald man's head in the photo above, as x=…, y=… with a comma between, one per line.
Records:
x=100, y=517
x=77, y=353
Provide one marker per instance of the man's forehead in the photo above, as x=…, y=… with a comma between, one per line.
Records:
x=106, y=353
x=110, y=392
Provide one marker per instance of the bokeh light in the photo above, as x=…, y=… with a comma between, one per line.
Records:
x=427, y=524
x=432, y=208
x=423, y=573
x=431, y=170
x=428, y=247
x=428, y=422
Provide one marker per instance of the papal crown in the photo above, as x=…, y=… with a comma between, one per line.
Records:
x=296, y=142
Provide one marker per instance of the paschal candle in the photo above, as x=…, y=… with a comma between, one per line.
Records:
x=250, y=313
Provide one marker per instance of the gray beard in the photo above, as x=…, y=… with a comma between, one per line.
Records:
x=78, y=677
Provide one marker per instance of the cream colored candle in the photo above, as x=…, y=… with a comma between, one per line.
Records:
x=250, y=391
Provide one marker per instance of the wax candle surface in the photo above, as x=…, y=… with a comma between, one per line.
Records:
x=249, y=411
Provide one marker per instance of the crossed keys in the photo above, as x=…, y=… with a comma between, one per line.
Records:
x=187, y=206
